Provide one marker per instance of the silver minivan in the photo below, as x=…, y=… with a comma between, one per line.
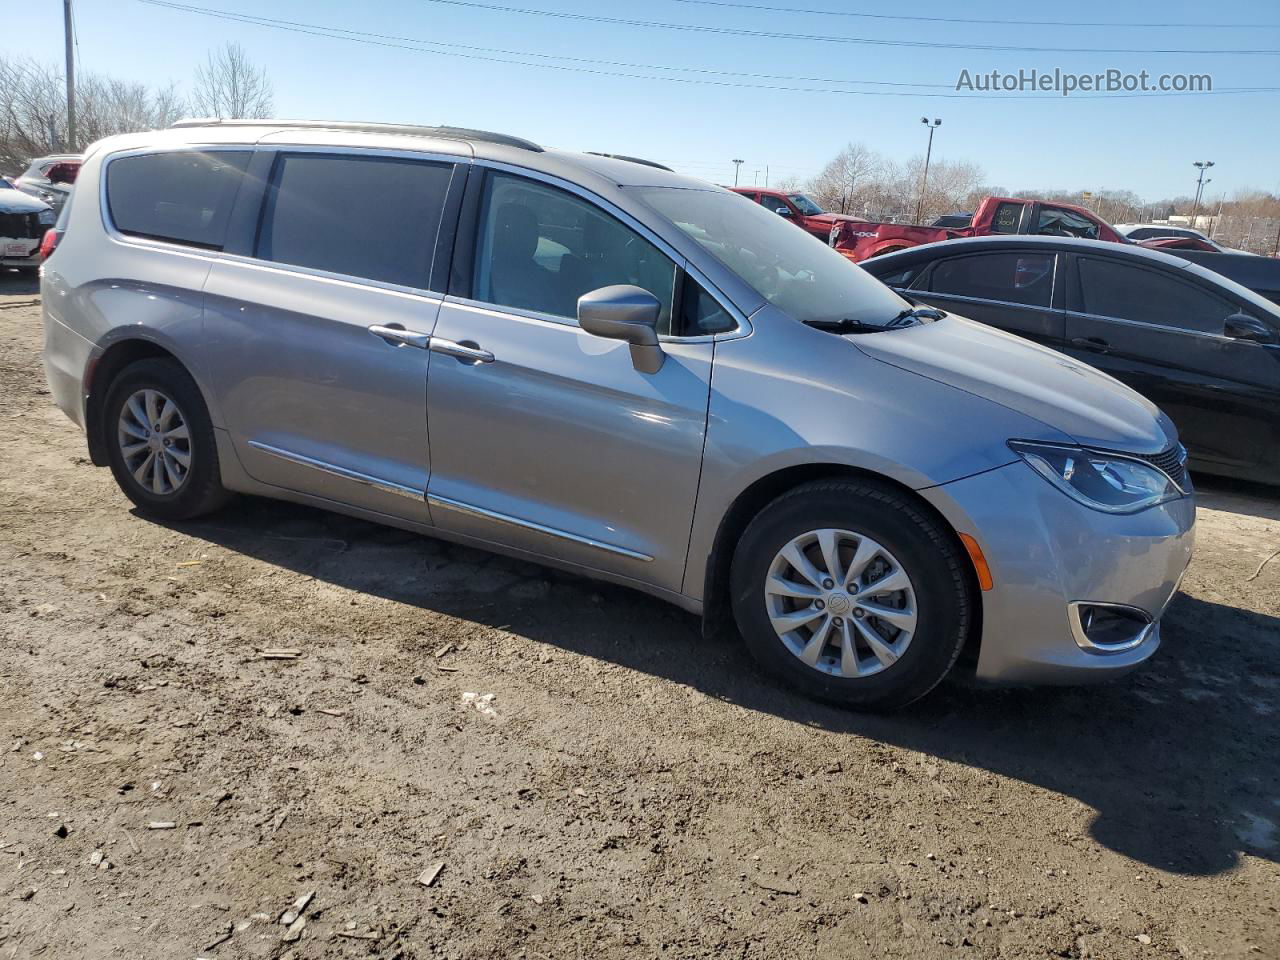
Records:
x=591, y=362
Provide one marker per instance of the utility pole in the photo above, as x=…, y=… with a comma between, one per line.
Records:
x=71, y=76
x=737, y=165
x=1202, y=166
x=924, y=180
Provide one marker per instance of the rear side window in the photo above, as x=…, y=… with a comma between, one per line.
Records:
x=1110, y=289
x=183, y=197
x=1057, y=222
x=1006, y=277
x=369, y=217
x=1007, y=218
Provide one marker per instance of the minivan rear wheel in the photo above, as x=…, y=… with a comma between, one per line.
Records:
x=159, y=441
x=851, y=592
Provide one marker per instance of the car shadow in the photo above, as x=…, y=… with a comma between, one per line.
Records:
x=13, y=283
x=1177, y=760
x=1238, y=496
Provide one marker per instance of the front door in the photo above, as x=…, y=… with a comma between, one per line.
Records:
x=316, y=401
x=1011, y=291
x=1163, y=336
x=544, y=437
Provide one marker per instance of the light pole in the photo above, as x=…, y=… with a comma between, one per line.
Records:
x=1202, y=166
x=924, y=180
x=737, y=165
x=70, y=145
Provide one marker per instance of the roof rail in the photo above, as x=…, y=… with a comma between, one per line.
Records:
x=404, y=129
x=619, y=156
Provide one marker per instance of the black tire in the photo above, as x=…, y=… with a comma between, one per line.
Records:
x=928, y=552
x=201, y=490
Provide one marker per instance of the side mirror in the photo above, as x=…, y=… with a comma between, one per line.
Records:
x=1241, y=326
x=625, y=312
x=783, y=211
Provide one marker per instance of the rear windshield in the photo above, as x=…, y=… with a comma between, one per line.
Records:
x=790, y=268
x=183, y=196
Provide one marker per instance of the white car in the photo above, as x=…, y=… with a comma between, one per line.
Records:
x=23, y=222
x=1138, y=232
x=51, y=178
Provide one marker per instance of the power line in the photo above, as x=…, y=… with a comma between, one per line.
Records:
x=1004, y=22
x=822, y=38
x=417, y=46
x=265, y=21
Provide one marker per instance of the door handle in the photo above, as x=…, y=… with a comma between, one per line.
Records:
x=467, y=351
x=1095, y=344
x=400, y=337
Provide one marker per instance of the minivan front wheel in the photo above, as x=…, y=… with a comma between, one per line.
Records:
x=159, y=441
x=851, y=592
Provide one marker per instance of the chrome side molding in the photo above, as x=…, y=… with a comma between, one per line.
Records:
x=386, y=486
x=460, y=507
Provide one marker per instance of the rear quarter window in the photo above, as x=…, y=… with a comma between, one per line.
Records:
x=374, y=218
x=182, y=197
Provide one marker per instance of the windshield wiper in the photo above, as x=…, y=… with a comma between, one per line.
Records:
x=915, y=313
x=843, y=325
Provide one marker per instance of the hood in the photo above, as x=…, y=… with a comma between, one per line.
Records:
x=15, y=201
x=1086, y=404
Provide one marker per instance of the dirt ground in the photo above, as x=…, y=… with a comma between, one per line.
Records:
x=631, y=789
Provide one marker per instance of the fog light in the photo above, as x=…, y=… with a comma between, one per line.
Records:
x=1109, y=627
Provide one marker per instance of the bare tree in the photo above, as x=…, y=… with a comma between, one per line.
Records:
x=228, y=84
x=846, y=176
x=33, y=110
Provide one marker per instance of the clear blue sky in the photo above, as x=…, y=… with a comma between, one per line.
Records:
x=1146, y=145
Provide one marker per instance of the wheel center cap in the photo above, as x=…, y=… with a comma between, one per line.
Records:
x=839, y=603
x=154, y=442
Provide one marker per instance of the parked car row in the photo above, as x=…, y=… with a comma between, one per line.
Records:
x=629, y=373
x=24, y=220
x=1205, y=349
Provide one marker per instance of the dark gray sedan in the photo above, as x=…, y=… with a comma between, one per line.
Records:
x=1202, y=347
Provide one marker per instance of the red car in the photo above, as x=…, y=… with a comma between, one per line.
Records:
x=995, y=215
x=799, y=209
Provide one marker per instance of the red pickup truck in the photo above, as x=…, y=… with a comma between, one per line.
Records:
x=799, y=209
x=995, y=215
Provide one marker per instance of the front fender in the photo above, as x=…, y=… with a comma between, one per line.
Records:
x=789, y=396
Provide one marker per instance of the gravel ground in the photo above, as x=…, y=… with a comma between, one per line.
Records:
x=632, y=789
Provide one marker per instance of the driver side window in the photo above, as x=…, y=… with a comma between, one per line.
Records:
x=773, y=204
x=540, y=248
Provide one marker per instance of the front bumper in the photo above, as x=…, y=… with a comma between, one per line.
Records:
x=1048, y=555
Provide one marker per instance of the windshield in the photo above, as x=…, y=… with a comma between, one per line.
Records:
x=804, y=204
x=790, y=268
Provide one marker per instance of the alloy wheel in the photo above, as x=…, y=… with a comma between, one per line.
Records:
x=841, y=603
x=155, y=441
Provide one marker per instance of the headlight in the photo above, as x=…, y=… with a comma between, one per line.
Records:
x=1109, y=482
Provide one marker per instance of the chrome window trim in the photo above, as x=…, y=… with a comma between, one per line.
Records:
x=457, y=505
x=981, y=300
x=386, y=486
x=1166, y=328
x=678, y=258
